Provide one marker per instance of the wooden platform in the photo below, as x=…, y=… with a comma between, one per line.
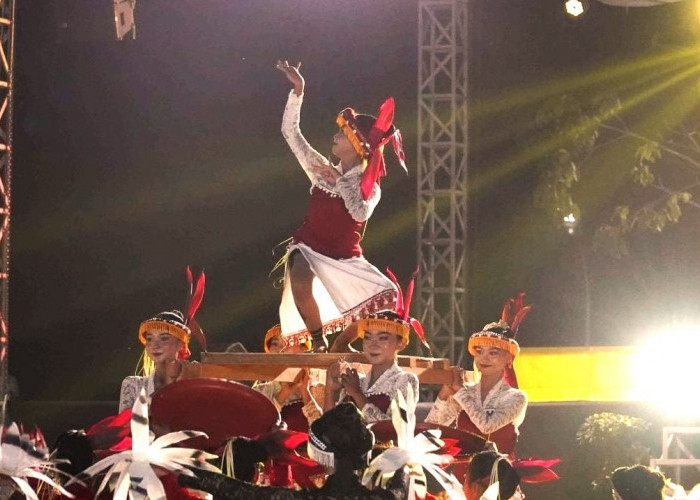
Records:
x=284, y=367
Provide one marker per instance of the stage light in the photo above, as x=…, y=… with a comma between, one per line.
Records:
x=570, y=222
x=574, y=8
x=664, y=372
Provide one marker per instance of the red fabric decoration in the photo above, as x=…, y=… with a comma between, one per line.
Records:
x=513, y=318
x=536, y=470
x=110, y=433
x=403, y=305
x=194, y=301
x=377, y=138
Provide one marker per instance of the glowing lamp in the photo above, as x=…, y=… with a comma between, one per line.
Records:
x=665, y=372
x=574, y=8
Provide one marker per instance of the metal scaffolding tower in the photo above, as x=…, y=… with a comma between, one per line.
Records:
x=7, y=46
x=442, y=173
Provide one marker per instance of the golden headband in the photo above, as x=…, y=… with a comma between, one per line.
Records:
x=301, y=339
x=179, y=331
x=346, y=122
x=401, y=329
x=488, y=338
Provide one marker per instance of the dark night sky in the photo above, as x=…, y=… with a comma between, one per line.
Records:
x=134, y=159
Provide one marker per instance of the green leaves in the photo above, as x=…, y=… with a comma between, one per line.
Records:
x=649, y=151
x=663, y=173
x=611, y=440
x=642, y=175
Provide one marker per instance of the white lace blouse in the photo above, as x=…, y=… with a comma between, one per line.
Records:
x=503, y=405
x=347, y=186
x=131, y=388
x=310, y=410
x=389, y=383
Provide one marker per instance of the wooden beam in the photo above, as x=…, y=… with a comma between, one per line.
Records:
x=284, y=367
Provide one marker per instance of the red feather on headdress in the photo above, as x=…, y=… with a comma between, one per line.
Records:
x=399, y=298
x=518, y=313
x=385, y=118
x=194, y=301
x=377, y=138
x=512, y=315
x=403, y=305
x=536, y=470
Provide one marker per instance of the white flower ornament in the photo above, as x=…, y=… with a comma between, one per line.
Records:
x=130, y=473
x=417, y=453
x=20, y=459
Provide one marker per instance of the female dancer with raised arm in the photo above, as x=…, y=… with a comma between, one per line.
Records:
x=328, y=283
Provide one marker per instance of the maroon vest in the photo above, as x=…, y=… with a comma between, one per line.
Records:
x=505, y=438
x=328, y=227
x=293, y=415
x=381, y=401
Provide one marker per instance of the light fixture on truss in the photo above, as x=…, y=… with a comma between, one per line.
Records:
x=124, y=18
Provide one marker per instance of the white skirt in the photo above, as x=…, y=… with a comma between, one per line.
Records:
x=345, y=290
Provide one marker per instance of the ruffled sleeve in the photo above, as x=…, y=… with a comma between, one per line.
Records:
x=131, y=388
x=443, y=412
x=312, y=410
x=502, y=406
x=348, y=187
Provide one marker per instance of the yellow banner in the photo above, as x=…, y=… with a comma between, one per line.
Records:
x=560, y=374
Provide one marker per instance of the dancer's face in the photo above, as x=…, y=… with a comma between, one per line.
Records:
x=381, y=347
x=161, y=346
x=275, y=344
x=491, y=360
x=342, y=148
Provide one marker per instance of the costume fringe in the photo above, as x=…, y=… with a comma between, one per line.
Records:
x=145, y=365
x=281, y=263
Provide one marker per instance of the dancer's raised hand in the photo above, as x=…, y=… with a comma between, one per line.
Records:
x=293, y=75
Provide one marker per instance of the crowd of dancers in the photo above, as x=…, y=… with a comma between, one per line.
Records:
x=332, y=440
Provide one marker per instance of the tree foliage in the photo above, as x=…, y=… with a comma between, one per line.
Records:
x=612, y=440
x=662, y=177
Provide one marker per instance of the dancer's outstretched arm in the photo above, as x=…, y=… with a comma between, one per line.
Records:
x=315, y=165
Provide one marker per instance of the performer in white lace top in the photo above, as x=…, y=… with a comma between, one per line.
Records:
x=328, y=283
x=384, y=335
x=493, y=407
x=166, y=338
x=161, y=348
x=299, y=402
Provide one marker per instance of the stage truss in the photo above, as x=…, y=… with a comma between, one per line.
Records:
x=442, y=173
x=7, y=46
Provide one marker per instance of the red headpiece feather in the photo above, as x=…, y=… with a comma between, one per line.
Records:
x=517, y=315
x=536, y=470
x=403, y=305
x=194, y=301
x=512, y=315
x=377, y=139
